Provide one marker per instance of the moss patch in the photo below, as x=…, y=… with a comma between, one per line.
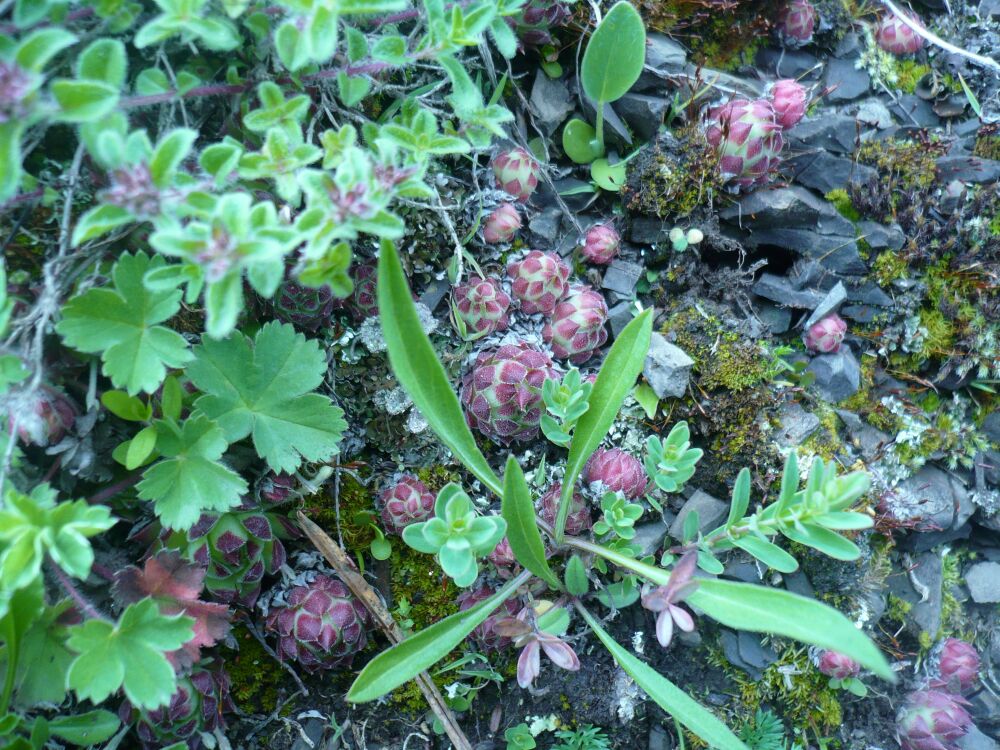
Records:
x=842, y=202
x=254, y=675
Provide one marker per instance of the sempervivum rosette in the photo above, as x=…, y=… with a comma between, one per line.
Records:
x=485, y=634
x=321, y=627
x=895, y=35
x=932, y=720
x=825, y=336
x=957, y=666
x=517, y=173
x=789, y=99
x=502, y=394
x=305, y=307
x=404, y=502
x=538, y=281
x=617, y=471
x=578, y=520
x=481, y=305
x=796, y=22
x=748, y=137
x=576, y=329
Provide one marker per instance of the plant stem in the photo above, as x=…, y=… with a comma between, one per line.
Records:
x=649, y=572
x=111, y=490
x=74, y=593
x=599, y=125
x=13, y=654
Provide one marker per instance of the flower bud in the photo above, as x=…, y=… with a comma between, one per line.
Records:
x=600, y=245
x=836, y=665
x=502, y=224
x=516, y=172
x=826, y=335
x=789, y=100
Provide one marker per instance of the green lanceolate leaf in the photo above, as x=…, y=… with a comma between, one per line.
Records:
x=128, y=654
x=418, y=370
x=741, y=497
x=766, y=610
x=522, y=531
x=768, y=553
x=615, y=55
x=406, y=660
x=263, y=390
x=667, y=695
x=614, y=382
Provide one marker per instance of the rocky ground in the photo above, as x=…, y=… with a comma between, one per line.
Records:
x=885, y=210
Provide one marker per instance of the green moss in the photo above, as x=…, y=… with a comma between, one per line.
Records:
x=905, y=165
x=987, y=144
x=897, y=610
x=356, y=513
x=888, y=267
x=842, y=202
x=435, y=477
x=825, y=442
x=940, y=336
x=254, y=675
x=722, y=358
x=909, y=73
x=794, y=686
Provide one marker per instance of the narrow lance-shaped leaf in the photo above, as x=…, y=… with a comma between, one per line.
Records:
x=418, y=370
x=766, y=610
x=406, y=660
x=522, y=531
x=614, y=382
x=667, y=695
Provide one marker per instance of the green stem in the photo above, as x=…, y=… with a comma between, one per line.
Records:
x=13, y=654
x=649, y=572
x=599, y=125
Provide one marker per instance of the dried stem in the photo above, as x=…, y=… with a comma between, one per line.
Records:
x=934, y=39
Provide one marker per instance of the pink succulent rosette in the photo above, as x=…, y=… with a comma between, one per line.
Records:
x=796, y=23
x=482, y=305
x=502, y=394
x=789, y=99
x=895, y=36
x=577, y=521
x=517, y=173
x=825, y=336
x=576, y=329
x=600, y=245
x=957, y=666
x=502, y=224
x=617, y=471
x=932, y=720
x=748, y=137
x=538, y=281
x=321, y=627
x=406, y=501
x=837, y=665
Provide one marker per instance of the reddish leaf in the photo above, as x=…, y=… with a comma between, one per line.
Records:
x=175, y=585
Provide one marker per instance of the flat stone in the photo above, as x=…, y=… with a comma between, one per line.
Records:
x=991, y=426
x=834, y=133
x=434, y=292
x=788, y=63
x=622, y=276
x=643, y=113
x=664, y=57
x=645, y=230
x=776, y=319
x=667, y=368
x=711, y=512
x=837, y=376
x=615, y=129
x=823, y=171
x=860, y=313
x=869, y=440
x=799, y=583
x=983, y=580
x=649, y=537
x=619, y=316
x=844, y=82
x=797, y=425
x=976, y=740
x=830, y=304
x=780, y=289
x=912, y=110
x=926, y=598
x=930, y=498
x=576, y=201
x=745, y=651
x=551, y=102
x=880, y=236
x=968, y=169
x=546, y=223
x=874, y=112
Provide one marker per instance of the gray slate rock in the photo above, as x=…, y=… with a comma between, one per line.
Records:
x=925, y=615
x=551, y=102
x=930, y=496
x=711, y=512
x=664, y=57
x=643, y=113
x=983, y=580
x=649, y=537
x=831, y=132
x=646, y=230
x=777, y=319
x=795, y=219
x=868, y=439
x=797, y=425
x=991, y=426
x=880, y=237
x=780, y=289
x=787, y=63
x=667, y=368
x=968, y=169
x=837, y=376
x=744, y=651
x=912, y=110
x=546, y=223
x=874, y=112
x=830, y=304
x=844, y=82
x=619, y=316
x=435, y=292
x=823, y=171
x=622, y=276
x=976, y=740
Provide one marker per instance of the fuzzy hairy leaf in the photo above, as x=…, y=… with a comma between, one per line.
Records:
x=190, y=480
x=128, y=655
x=263, y=388
x=122, y=325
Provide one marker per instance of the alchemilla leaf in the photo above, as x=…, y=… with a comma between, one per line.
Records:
x=122, y=325
x=128, y=655
x=190, y=480
x=262, y=388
